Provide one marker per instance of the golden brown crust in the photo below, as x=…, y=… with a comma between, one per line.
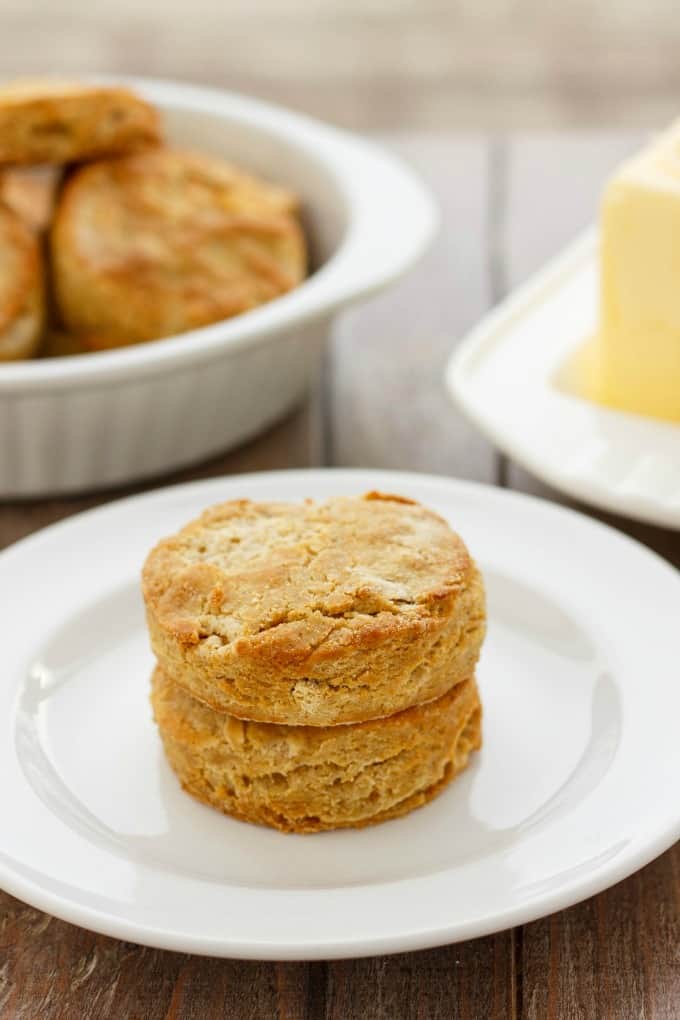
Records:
x=161, y=242
x=31, y=193
x=22, y=301
x=53, y=121
x=315, y=613
x=307, y=779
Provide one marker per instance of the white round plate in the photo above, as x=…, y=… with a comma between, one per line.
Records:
x=508, y=376
x=574, y=789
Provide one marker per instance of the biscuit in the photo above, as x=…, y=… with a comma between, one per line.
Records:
x=22, y=298
x=31, y=192
x=45, y=120
x=315, y=613
x=306, y=779
x=158, y=243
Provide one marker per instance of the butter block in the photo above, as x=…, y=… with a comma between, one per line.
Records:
x=637, y=351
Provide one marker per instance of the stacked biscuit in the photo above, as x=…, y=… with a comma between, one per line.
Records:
x=131, y=240
x=315, y=661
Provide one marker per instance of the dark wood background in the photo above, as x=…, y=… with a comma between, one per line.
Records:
x=508, y=203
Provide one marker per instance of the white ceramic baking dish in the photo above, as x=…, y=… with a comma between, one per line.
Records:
x=96, y=420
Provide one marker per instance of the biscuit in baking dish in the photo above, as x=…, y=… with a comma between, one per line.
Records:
x=315, y=613
x=306, y=779
x=45, y=120
x=31, y=193
x=22, y=299
x=161, y=242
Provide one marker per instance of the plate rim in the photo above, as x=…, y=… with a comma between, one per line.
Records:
x=520, y=302
x=297, y=948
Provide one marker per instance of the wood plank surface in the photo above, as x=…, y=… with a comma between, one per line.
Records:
x=54, y=971
x=382, y=404
x=468, y=980
x=615, y=956
x=388, y=405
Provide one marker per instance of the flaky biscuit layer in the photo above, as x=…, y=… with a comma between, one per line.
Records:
x=308, y=779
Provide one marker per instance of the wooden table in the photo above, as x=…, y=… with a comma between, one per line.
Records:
x=508, y=204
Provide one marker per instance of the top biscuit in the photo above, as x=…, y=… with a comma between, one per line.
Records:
x=52, y=121
x=315, y=613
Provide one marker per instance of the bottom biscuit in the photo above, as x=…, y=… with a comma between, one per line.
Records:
x=308, y=779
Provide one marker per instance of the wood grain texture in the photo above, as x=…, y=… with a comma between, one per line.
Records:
x=462, y=982
x=54, y=971
x=388, y=405
x=615, y=957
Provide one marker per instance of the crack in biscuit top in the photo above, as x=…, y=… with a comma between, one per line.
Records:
x=302, y=574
